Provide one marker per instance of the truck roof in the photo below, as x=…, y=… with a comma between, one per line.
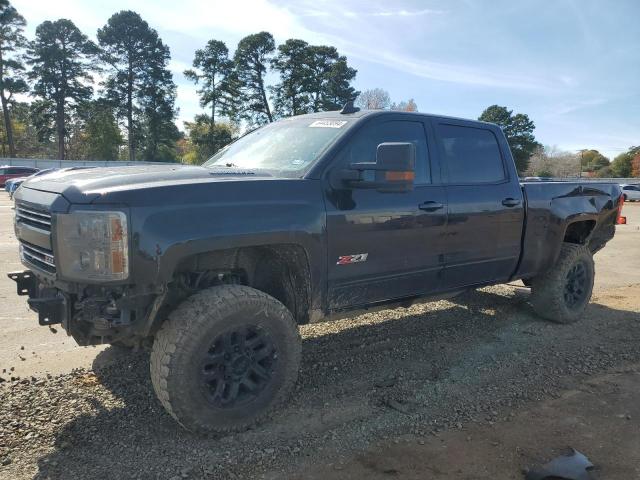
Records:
x=368, y=113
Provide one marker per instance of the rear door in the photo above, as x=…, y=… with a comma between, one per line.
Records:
x=384, y=246
x=485, y=204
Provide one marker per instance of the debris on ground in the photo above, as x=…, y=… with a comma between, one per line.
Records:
x=574, y=466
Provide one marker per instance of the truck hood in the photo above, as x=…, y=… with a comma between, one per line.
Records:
x=85, y=185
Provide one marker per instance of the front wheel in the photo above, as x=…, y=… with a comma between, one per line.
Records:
x=562, y=293
x=225, y=359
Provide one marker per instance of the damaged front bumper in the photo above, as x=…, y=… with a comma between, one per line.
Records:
x=51, y=304
x=92, y=315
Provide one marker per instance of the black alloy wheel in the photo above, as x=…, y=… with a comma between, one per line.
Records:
x=226, y=359
x=237, y=367
x=575, y=288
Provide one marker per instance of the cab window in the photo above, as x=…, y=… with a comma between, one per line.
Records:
x=471, y=155
x=363, y=146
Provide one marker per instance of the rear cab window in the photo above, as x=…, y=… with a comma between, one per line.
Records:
x=471, y=155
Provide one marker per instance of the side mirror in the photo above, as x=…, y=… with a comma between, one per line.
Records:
x=393, y=170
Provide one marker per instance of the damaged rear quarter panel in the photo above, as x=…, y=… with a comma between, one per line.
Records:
x=551, y=208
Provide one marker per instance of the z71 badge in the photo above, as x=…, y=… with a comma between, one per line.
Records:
x=347, y=259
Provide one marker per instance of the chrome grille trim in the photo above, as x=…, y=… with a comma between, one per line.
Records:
x=36, y=218
x=47, y=255
x=39, y=257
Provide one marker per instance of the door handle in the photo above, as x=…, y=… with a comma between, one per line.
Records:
x=430, y=206
x=510, y=202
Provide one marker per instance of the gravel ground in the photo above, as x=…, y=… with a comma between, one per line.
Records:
x=442, y=366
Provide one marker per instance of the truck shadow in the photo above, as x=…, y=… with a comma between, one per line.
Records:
x=386, y=370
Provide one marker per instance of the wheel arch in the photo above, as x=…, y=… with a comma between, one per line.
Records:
x=579, y=231
x=280, y=270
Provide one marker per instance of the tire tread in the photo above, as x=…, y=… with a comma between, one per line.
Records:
x=183, y=322
x=547, y=289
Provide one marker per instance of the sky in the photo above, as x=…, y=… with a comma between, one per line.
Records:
x=572, y=65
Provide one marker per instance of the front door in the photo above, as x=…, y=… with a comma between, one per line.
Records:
x=385, y=246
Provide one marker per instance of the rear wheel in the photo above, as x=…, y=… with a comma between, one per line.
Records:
x=563, y=292
x=225, y=359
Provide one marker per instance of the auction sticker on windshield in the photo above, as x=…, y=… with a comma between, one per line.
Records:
x=328, y=123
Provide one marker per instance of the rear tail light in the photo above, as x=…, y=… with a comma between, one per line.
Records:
x=620, y=220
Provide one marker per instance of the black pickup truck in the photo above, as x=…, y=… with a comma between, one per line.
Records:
x=306, y=218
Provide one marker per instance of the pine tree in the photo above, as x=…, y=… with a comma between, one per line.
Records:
x=12, y=81
x=211, y=68
x=291, y=95
x=251, y=59
x=140, y=85
x=313, y=78
x=62, y=58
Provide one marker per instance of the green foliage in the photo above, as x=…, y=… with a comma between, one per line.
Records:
x=205, y=139
x=593, y=160
x=331, y=87
x=604, y=172
x=140, y=85
x=25, y=135
x=159, y=132
x=12, y=70
x=251, y=60
x=61, y=58
x=312, y=79
x=622, y=167
x=42, y=116
x=291, y=96
x=211, y=69
x=103, y=137
x=519, y=132
x=138, y=92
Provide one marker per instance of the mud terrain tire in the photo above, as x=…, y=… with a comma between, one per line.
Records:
x=563, y=292
x=225, y=359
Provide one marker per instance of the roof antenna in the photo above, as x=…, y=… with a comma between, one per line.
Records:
x=349, y=108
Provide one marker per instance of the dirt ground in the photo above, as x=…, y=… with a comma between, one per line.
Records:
x=598, y=415
x=473, y=388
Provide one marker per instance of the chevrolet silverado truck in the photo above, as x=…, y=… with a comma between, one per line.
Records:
x=308, y=218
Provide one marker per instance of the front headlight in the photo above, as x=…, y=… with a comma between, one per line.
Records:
x=92, y=245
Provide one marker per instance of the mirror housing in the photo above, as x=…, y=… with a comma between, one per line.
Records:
x=394, y=169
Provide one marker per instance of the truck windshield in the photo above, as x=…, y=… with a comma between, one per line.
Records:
x=287, y=147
